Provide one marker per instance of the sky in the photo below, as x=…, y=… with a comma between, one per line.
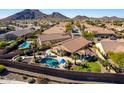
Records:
x=71, y=12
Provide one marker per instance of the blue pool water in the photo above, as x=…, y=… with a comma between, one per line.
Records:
x=24, y=45
x=50, y=62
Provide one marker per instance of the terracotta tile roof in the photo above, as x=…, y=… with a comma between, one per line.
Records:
x=53, y=37
x=120, y=48
x=114, y=46
x=18, y=32
x=109, y=26
x=60, y=28
x=75, y=44
x=99, y=30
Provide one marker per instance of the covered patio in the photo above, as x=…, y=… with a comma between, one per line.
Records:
x=77, y=46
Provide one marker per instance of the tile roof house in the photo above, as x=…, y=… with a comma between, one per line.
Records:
x=52, y=38
x=77, y=45
x=100, y=32
x=12, y=35
x=74, y=44
x=57, y=29
x=117, y=28
x=108, y=46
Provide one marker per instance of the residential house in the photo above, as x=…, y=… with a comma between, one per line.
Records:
x=116, y=28
x=13, y=35
x=76, y=45
x=100, y=32
x=57, y=29
x=110, y=46
x=53, y=38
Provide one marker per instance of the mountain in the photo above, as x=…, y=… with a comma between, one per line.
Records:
x=79, y=17
x=104, y=18
x=111, y=18
x=28, y=14
x=57, y=15
x=115, y=18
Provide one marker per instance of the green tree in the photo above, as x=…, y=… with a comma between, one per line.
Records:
x=90, y=22
x=83, y=27
x=68, y=28
x=117, y=23
x=78, y=24
x=3, y=44
x=10, y=28
x=88, y=36
x=33, y=47
x=19, y=59
x=69, y=64
x=46, y=45
x=105, y=63
x=102, y=25
x=74, y=57
x=97, y=22
x=1, y=24
x=2, y=68
x=35, y=23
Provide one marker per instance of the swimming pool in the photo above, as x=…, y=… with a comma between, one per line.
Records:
x=24, y=45
x=50, y=62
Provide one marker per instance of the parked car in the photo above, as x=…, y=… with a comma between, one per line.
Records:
x=113, y=38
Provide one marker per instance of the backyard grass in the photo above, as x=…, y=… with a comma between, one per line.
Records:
x=2, y=68
x=88, y=67
x=118, y=58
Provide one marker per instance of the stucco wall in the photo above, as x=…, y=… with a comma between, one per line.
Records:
x=99, y=46
x=99, y=77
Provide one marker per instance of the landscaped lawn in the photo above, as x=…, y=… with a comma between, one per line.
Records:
x=2, y=68
x=118, y=58
x=88, y=67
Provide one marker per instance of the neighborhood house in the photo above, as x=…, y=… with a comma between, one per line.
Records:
x=13, y=35
x=54, y=38
x=110, y=46
x=77, y=45
x=100, y=32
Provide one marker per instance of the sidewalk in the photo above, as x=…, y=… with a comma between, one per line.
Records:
x=3, y=81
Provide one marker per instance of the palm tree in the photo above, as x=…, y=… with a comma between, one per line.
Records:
x=69, y=64
x=33, y=47
x=85, y=65
x=34, y=56
x=74, y=57
x=25, y=53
